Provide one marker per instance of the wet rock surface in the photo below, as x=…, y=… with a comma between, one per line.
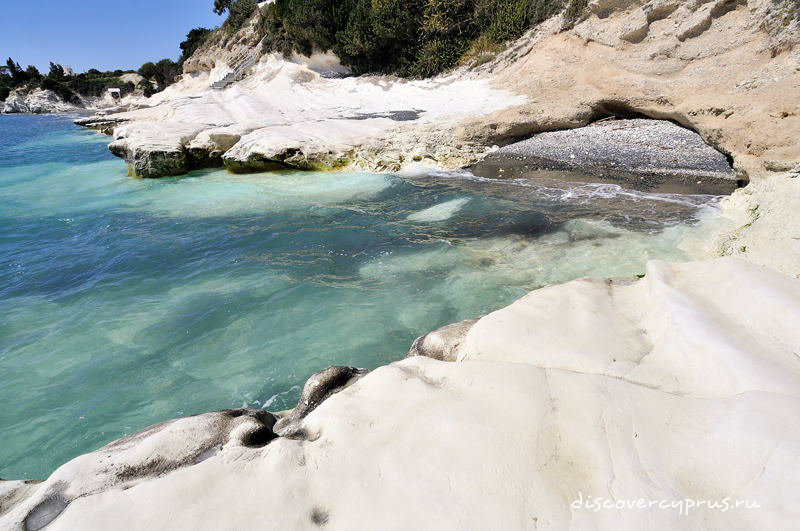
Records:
x=442, y=344
x=641, y=153
x=316, y=389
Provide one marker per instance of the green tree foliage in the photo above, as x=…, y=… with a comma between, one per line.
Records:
x=56, y=72
x=221, y=6
x=163, y=73
x=70, y=88
x=380, y=36
x=12, y=76
x=406, y=37
x=147, y=88
x=238, y=12
x=194, y=39
x=148, y=70
x=33, y=73
x=574, y=9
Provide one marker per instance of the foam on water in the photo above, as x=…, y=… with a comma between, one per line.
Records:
x=218, y=193
x=125, y=302
x=441, y=211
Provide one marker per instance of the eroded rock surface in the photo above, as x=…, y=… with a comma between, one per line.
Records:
x=679, y=386
x=442, y=344
x=36, y=101
x=152, y=452
x=317, y=389
x=639, y=153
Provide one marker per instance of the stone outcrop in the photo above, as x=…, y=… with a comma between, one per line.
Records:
x=442, y=344
x=720, y=68
x=36, y=101
x=316, y=390
x=154, y=149
x=643, y=154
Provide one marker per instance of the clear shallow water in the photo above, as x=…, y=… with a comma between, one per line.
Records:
x=125, y=302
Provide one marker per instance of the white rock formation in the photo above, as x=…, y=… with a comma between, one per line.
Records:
x=287, y=113
x=37, y=101
x=131, y=77
x=682, y=387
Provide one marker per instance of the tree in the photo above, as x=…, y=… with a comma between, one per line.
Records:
x=220, y=6
x=166, y=72
x=380, y=36
x=56, y=72
x=193, y=41
x=148, y=70
x=33, y=73
x=146, y=87
x=18, y=75
x=163, y=72
x=238, y=13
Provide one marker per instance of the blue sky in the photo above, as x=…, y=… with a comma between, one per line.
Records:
x=99, y=34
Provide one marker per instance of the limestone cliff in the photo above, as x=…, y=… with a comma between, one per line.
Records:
x=36, y=101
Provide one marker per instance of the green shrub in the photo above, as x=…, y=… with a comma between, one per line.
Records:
x=238, y=13
x=405, y=37
x=541, y=10
x=194, y=39
x=575, y=9
x=63, y=92
x=147, y=88
x=380, y=36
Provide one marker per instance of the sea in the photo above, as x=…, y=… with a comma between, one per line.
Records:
x=125, y=302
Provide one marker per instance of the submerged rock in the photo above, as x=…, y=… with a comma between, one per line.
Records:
x=641, y=153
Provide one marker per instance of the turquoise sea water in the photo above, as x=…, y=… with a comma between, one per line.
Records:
x=124, y=302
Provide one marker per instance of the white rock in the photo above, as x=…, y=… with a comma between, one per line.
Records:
x=37, y=101
x=326, y=115
x=682, y=386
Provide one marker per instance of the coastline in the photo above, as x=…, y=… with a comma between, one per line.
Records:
x=605, y=386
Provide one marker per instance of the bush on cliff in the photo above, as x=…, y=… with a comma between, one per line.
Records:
x=194, y=39
x=238, y=12
x=163, y=73
x=407, y=37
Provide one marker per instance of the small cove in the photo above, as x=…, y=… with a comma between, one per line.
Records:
x=126, y=302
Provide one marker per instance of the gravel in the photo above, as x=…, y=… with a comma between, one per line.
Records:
x=641, y=153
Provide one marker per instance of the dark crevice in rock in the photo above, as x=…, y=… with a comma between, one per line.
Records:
x=259, y=437
x=202, y=159
x=615, y=109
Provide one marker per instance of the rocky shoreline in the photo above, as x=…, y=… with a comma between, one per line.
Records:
x=642, y=154
x=404, y=432
x=680, y=385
